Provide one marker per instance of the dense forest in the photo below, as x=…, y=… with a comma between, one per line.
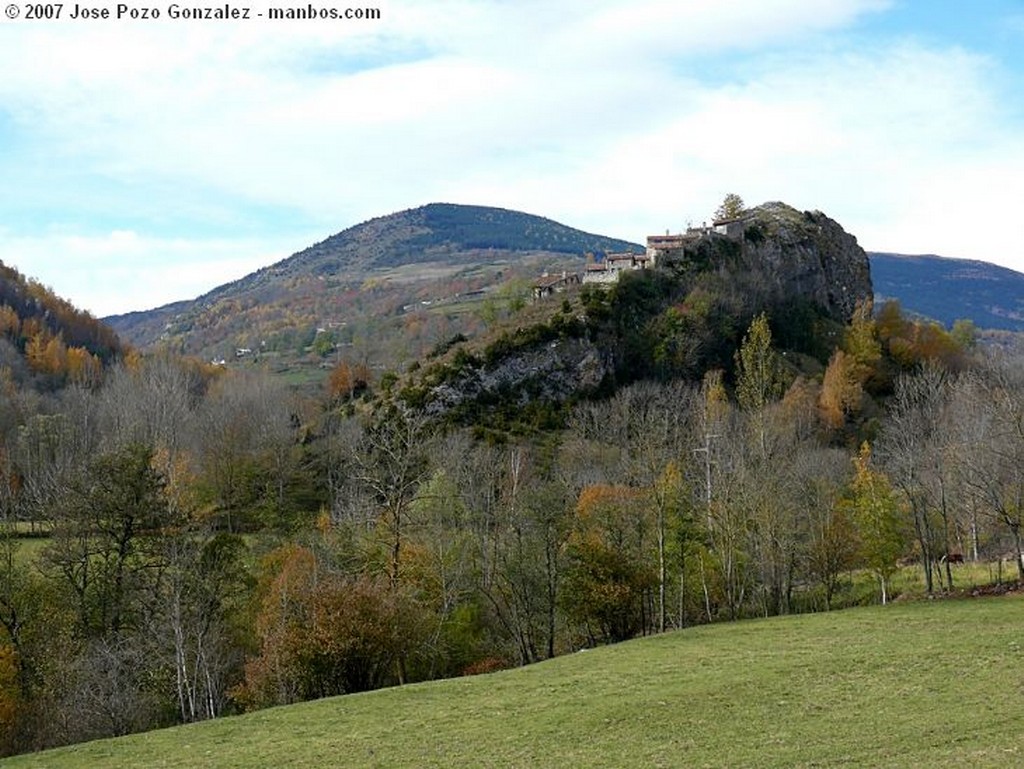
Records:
x=45, y=340
x=180, y=542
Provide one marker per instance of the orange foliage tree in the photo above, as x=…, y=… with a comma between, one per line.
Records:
x=10, y=697
x=609, y=576
x=912, y=342
x=323, y=633
x=348, y=380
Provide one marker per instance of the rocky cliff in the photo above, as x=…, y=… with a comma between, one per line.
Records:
x=808, y=255
x=554, y=371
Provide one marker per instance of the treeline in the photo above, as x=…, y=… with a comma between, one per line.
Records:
x=180, y=543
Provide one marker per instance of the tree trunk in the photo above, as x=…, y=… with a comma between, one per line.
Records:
x=661, y=569
x=923, y=532
x=704, y=587
x=1019, y=547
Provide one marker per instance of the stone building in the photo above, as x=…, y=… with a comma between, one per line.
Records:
x=731, y=228
x=615, y=264
x=548, y=285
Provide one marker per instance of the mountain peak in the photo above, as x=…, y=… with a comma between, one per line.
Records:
x=399, y=253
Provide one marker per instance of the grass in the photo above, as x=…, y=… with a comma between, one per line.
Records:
x=903, y=685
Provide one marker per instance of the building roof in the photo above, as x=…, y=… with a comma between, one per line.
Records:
x=546, y=281
x=666, y=241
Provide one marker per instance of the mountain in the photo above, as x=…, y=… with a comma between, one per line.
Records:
x=949, y=289
x=438, y=253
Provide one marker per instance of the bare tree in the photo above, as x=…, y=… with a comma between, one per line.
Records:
x=391, y=461
x=914, y=451
x=994, y=466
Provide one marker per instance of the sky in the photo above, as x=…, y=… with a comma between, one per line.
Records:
x=147, y=161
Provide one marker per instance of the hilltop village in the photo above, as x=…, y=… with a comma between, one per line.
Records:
x=660, y=249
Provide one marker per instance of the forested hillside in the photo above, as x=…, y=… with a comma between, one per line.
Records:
x=182, y=541
x=45, y=342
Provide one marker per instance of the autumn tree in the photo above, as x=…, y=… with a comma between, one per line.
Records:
x=10, y=323
x=911, y=343
x=608, y=576
x=348, y=380
x=322, y=633
x=46, y=354
x=861, y=343
x=841, y=391
x=877, y=512
x=648, y=425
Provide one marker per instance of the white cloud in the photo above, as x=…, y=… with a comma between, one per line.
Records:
x=121, y=271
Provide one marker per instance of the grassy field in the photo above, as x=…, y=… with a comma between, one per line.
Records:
x=904, y=685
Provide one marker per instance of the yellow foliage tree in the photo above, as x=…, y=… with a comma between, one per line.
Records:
x=879, y=516
x=83, y=368
x=608, y=573
x=46, y=354
x=322, y=633
x=840, y=390
x=10, y=325
x=861, y=342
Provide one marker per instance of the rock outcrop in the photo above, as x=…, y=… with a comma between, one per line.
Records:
x=554, y=371
x=807, y=255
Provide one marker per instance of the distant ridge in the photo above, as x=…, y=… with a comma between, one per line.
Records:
x=435, y=241
x=946, y=289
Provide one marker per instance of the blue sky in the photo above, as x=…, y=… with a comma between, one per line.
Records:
x=142, y=163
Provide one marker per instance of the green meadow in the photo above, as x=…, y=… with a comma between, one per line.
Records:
x=897, y=686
